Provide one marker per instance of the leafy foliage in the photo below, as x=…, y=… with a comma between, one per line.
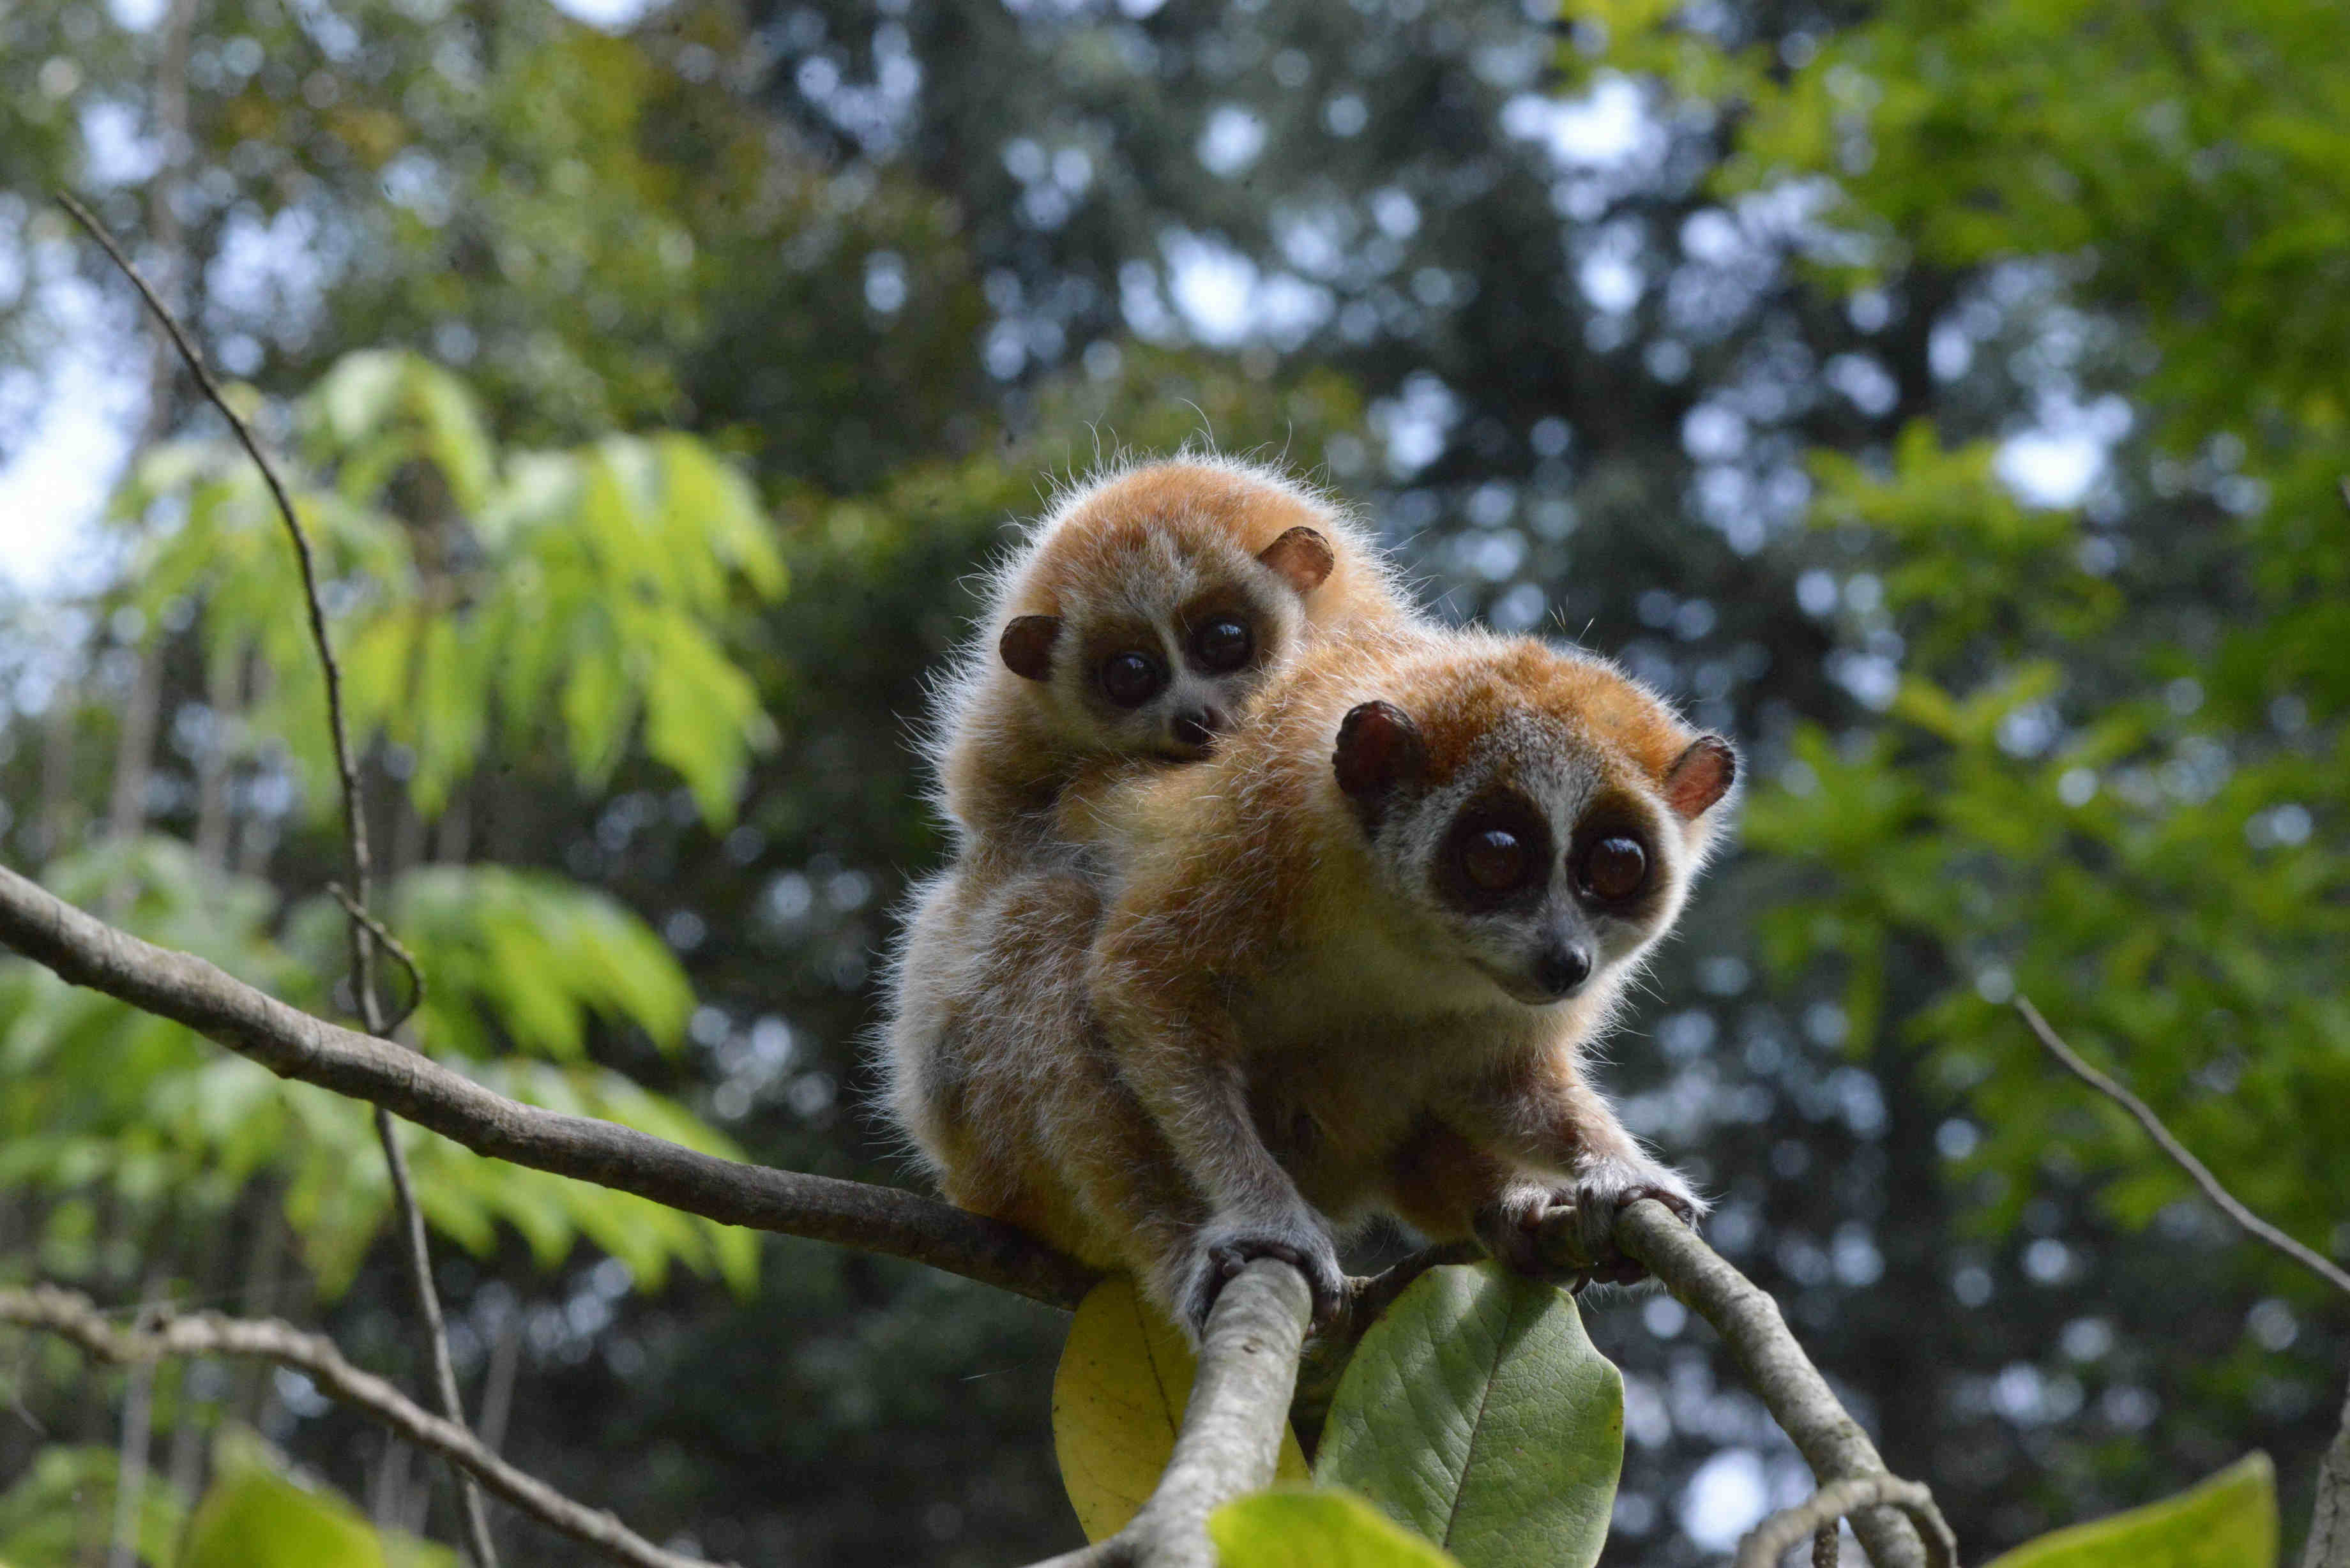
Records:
x=256, y=1515
x=62, y=1509
x=1476, y=1411
x=563, y=597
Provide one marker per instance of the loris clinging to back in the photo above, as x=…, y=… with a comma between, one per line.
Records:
x=1136, y=625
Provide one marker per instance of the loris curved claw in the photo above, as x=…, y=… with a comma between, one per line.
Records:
x=1603, y=1192
x=1222, y=1253
x=1566, y=1235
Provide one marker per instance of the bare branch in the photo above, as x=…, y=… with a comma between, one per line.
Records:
x=1765, y=1544
x=391, y=945
x=1789, y=1385
x=2251, y=1223
x=161, y=1333
x=415, y=1247
x=294, y=1045
x=1231, y=1431
x=2329, y=1524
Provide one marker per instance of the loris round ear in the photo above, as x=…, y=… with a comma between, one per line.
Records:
x=1027, y=645
x=1702, y=776
x=1302, y=557
x=1379, y=749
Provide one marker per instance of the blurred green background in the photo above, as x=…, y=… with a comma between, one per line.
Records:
x=1947, y=400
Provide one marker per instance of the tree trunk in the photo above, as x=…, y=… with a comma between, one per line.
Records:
x=2329, y=1522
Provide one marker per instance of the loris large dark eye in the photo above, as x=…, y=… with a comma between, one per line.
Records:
x=1496, y=860
x=1223, y=644
x=1130, y=680
x=1614, y=869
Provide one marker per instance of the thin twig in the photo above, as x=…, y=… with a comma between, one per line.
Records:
x=391, y=945
x=414, y=1246
x=164, y=1333
x=1767, y=1541
x=1782, y=1376
x=2251, y=1223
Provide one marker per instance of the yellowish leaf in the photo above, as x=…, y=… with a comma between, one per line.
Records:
x=1118, y=1401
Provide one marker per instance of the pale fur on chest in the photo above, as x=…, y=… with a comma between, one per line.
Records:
x=1358, y=1036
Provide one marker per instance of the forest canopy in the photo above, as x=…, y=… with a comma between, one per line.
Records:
x=1945, y=402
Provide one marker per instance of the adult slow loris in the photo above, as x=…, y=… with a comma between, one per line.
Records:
x=1350, y=964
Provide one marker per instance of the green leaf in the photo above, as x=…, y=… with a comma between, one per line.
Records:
x=1477, y=1412
x=1117, y=1399
x=62, y=1508
x=1321, y=1528
x=2227, y=1521
x=254, y=1518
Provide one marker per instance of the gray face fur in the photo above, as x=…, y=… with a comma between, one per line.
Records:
x=1540, y=873
x=1162, y=653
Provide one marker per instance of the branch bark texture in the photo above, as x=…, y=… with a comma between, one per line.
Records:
x=1770, y=1540
x=1782, y=1376
x=76, y=1318
x=1230, y=1439
x=293, y=1044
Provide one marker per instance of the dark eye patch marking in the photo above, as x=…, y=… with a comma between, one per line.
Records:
x=1223, y=644
x=1614, y=861
x=1131, y=678
x=1497, y=854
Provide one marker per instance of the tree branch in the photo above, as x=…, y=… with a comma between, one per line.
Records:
x=2250, y=1223
x=75, y=1317
x=293, y=1044
x=1765, y=1544
x=415, y=1247
x=2329, y=1524
x=1789, y=1385
x=1231, y=1431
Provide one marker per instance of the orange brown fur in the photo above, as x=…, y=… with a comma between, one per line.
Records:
x=1289, y=1018
x=1121, y=540
x=991, y=1070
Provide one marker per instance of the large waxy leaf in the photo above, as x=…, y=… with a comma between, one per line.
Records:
x=1477, y=1412
x=1321, y=1528
x=1117, y=1399
x=2229, y=1521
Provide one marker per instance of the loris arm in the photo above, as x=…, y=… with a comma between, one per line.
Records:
x=1545, y=1118
x=1176, y=1046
